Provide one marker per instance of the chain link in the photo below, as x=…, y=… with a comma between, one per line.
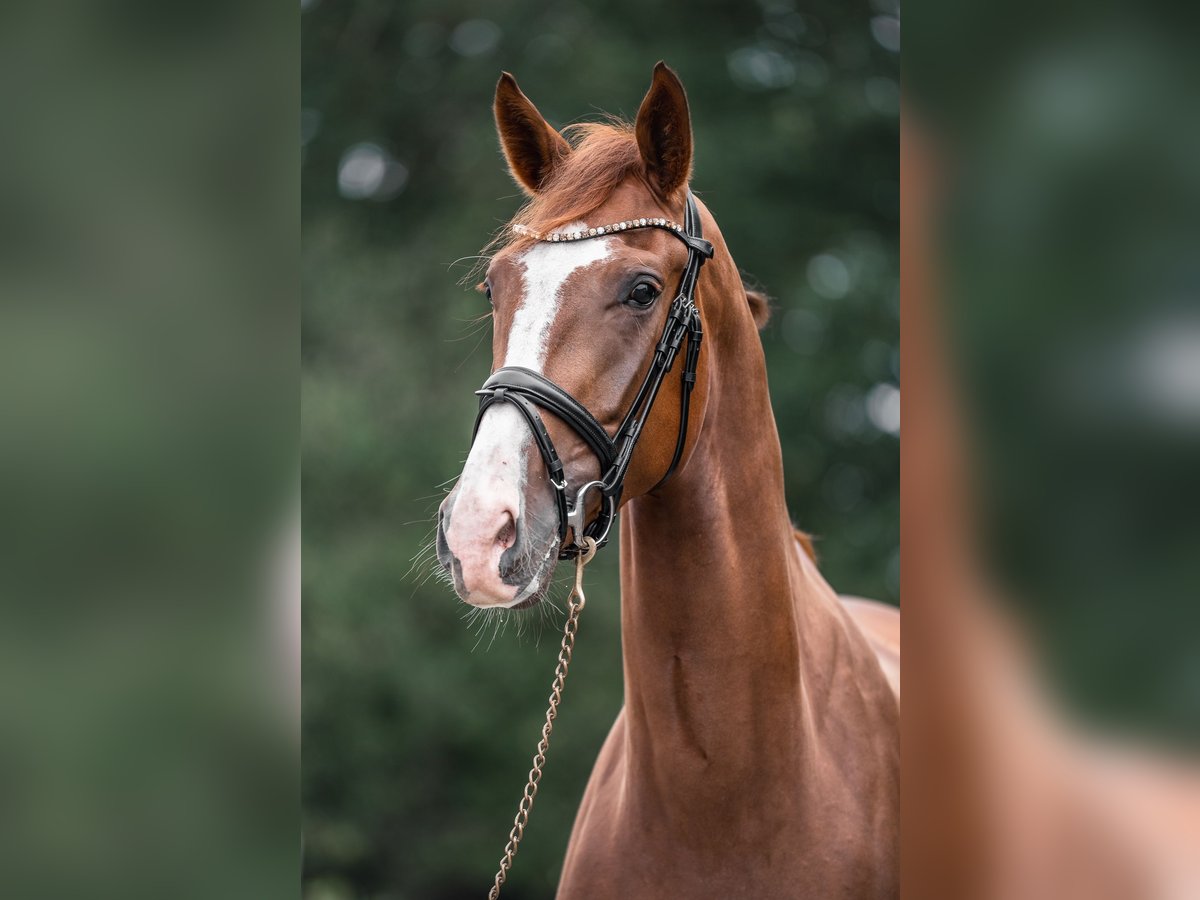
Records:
x=575, y=603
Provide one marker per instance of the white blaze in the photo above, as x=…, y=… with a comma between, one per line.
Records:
x=494, y=475
x=547, y=268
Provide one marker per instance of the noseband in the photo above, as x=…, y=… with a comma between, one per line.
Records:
x=527, y=390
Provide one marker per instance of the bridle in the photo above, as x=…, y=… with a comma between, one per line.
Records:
x=527, y=390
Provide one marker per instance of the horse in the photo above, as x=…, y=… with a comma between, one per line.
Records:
x=757, y=751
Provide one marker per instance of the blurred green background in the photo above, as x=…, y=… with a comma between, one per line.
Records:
x=417, y=731
x=1070, y=192
x=148, y=449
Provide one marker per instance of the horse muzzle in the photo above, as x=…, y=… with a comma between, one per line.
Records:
x=496, y=555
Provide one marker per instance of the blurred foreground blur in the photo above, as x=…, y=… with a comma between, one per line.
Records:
x=1051, y=215
x=148, y=467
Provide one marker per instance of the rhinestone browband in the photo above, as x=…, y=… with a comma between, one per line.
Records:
x=580, y=235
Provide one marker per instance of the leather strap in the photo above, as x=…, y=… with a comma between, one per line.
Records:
x=541, y=437
x=548, y=395
x=695, y=332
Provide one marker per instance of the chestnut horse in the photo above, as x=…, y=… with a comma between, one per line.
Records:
x=757, y=753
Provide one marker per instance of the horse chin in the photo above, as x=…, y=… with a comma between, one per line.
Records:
x=538, y=596
x=538, y=585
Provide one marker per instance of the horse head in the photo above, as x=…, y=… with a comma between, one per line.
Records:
x=581, y=290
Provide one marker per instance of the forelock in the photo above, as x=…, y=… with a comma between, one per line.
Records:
x=604, y=154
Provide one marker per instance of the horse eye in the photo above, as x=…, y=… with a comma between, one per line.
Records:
x=487, y=292
x=643, y=294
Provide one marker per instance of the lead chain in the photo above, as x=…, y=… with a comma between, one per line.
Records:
x=575, y=603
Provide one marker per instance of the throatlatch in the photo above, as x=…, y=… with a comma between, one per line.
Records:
x=527, y=390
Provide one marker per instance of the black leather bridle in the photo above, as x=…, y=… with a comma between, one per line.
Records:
x=528, y=390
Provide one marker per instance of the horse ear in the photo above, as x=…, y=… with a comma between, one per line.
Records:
x=664, y=132
x=533, y=149
x=760, y=307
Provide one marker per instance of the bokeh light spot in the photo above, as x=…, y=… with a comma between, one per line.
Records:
x=829, y=276
x=475, y=37
x=368, y=172
x=886, y=31
x=760, y=68
x=883, y=95
x=845, y=411
x=883, y=407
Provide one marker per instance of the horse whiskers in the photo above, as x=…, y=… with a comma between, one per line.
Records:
x=482, y=619
x=471, y=352
x=478, y=259
x=425, y=554
x=424, y=563
x=477, y=325
x=475, y=256
x=477, y=319
x=530, y=621
x=442, y=484
x=425, y=566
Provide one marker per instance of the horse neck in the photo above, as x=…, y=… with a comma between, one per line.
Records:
x=711, y=588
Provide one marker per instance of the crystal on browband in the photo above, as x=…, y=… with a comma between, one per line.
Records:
x=583, y=233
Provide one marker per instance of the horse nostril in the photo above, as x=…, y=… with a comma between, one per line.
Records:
x=507, y=533
x=443, y=549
